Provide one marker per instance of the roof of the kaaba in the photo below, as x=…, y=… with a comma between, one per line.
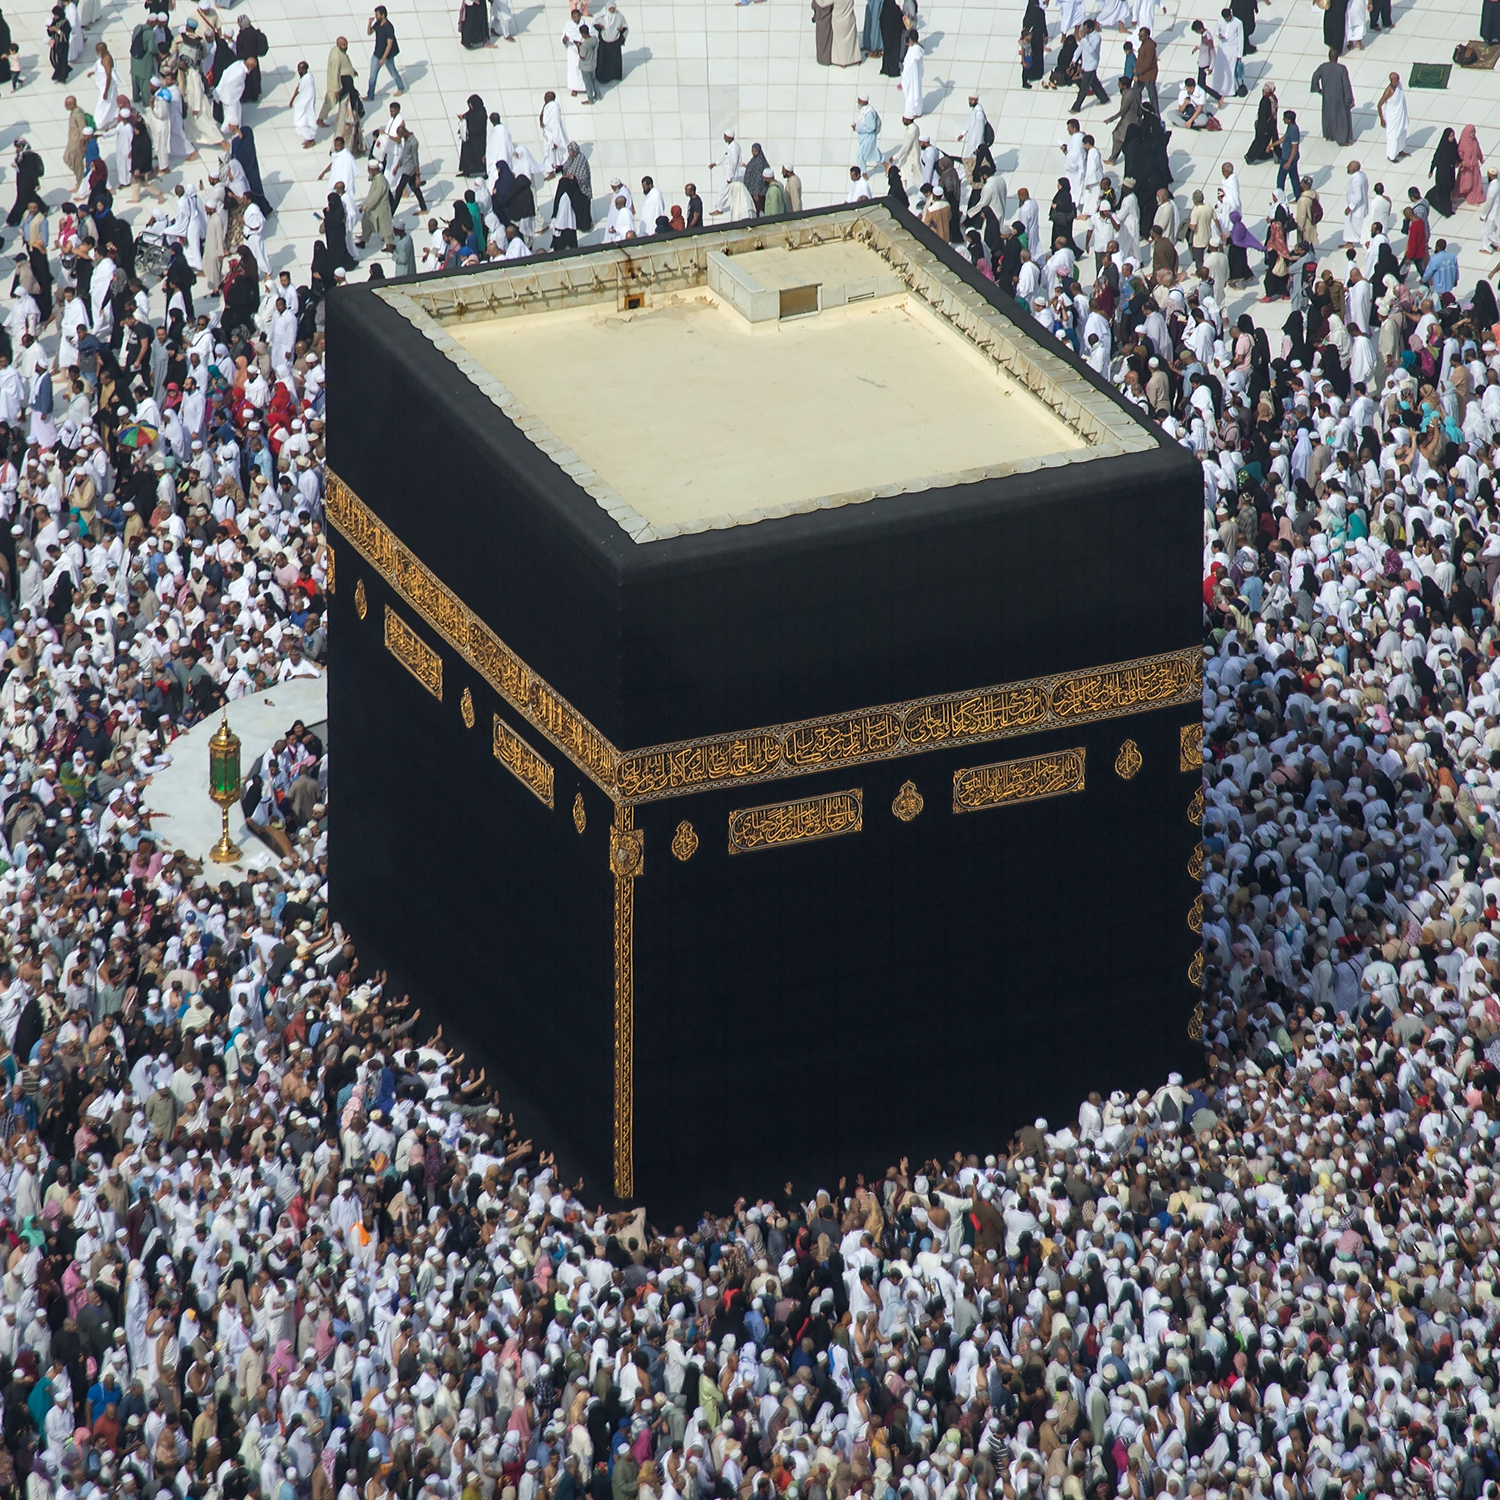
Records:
x=743, y=374
x=558, y=462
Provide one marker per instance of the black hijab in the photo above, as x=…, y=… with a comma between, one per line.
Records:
x=1484, y=311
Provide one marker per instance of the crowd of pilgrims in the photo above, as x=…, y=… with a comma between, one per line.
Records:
x=261, y=1238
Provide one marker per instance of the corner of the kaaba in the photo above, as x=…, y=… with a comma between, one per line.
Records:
x=913, y=985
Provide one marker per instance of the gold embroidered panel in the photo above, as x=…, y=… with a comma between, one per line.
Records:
x=1190, y=747
x=1006, y=782
x=534, y=773
x=779, y=751
x=413, y=653
x=798, y=822
x=625, y=835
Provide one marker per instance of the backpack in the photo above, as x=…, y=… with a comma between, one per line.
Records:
x=989, y=134
x=138, y=42
x=1317, y=211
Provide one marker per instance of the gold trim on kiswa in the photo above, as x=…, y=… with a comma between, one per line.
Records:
x=797, y=822
x=534, y=773
x=776, y=752
x=1007, y=782
x=413, y=653
x=626, y=862
x=441, y=608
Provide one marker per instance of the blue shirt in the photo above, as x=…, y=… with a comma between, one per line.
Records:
x=1442, y=271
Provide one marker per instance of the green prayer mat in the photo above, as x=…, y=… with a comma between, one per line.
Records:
x=1429, y=75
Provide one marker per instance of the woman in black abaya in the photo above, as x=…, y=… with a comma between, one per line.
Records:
x=1034, y=33
x=1263, y=146
x=1062, y=215
x=474, y=23
x=892, y=29
x=1483, y=312
x=336, y=234
x=475, y=133
x=1444, y=173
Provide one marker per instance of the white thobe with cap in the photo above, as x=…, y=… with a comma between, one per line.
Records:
x=973, y=131
x=731, y=170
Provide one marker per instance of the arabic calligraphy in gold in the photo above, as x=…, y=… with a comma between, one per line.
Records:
x=534, y=773
x=1128, y=761
x=1190, y=747
x=1195, y=808
x=329, y=582
x=466, y=708
x=684, y=841
x=748, y=756
x=1195, y=862
x=1195, y=1023
x=1195, y=915
x=361, y=600
x=910, y=728
x=580, y=813
x=908, y=803
x=625, y=837
x=413, y=653
x=799, y=822
x=1007, y=782
x=1195, y=969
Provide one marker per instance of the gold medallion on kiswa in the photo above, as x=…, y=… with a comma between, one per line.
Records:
x=534, y=773
x=798, y=822
x=1008, y=782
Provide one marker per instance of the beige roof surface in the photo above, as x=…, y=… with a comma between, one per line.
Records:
x=694, y=383
x=690, y=412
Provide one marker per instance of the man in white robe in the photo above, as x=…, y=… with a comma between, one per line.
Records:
x=1490, y=225
x=1356, y=204
x=341, y=173
x=653, y=205
x=973, y=135
x=911, y=77
x=230, y=90
x=619, y=225
x=99, y=289
x=554, y=135
x=1229, y=48
x=304, y=103
x=498, y=146
x=283, y=339
x=731, y=170
x=908, y=155
x=12, y=393
x=1393, y=115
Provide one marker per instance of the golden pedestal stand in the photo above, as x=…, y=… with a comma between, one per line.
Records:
x=224, y=785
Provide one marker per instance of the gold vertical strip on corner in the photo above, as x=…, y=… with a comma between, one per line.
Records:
x=625, y=863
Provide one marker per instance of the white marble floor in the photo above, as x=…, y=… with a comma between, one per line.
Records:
x=695, y=68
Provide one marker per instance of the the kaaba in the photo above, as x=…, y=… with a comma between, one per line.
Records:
x=765, y=677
